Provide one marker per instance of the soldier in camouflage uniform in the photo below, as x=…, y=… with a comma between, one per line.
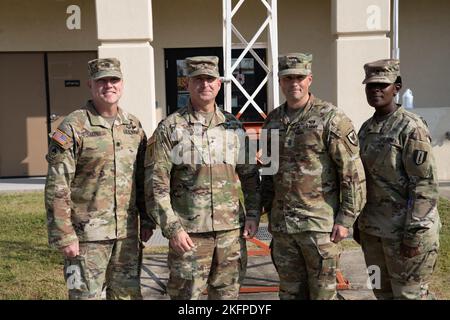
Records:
x=399, y=226
x=94, y=192
x=319, y=188
x=194, y=182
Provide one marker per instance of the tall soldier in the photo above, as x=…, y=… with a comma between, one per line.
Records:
x=194, y=180
x=399, y=226
x=319, y=188
x=94, y=192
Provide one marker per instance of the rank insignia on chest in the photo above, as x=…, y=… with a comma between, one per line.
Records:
x=420, y=157
x=353, y=138
x=289, y=142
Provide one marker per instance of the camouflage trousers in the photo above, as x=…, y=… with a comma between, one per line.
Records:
x=114, y=264
x=217, y=263
x=306, y=264
x=394, y=276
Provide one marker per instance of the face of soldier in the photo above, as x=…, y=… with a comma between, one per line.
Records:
x=203, y=89
x=381, y=95
x=296, y=88
x=106, y=90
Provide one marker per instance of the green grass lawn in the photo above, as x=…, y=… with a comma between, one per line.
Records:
x=30, y=269
x=441, y=277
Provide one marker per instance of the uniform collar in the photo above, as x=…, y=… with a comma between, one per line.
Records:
x=97, y=120
x=377, y=125
x=217, y=119
x=306, y=108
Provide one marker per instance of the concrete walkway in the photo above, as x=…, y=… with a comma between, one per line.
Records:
x=22, y=184
x=261, y=274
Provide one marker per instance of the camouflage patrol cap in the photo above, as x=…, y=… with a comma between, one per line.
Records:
x=208, y=65
x=294, y=63
x=105, y=67
x=382, y=71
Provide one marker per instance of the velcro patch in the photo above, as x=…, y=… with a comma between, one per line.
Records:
x=52, y=154
x=62, y=139
x=419, y=159
x=150, y=153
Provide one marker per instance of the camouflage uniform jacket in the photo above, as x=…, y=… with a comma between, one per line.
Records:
x=94, y=188
x=401, y=178
x=320, y=180
x=190, y=184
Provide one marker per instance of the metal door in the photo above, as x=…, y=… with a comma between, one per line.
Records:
x=67, y=83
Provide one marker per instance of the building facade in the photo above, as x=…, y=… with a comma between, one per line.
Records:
x=44, y=47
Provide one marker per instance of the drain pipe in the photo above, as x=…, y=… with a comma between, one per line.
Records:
x=395, y=49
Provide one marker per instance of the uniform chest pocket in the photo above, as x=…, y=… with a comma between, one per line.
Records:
x=97, y=146
x=185, y=152
x=308, y=137
x=95, y=155
x=129, y=147
x=384, y=157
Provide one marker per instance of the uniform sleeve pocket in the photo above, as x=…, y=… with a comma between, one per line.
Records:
x=386, y=159
x=418, y=158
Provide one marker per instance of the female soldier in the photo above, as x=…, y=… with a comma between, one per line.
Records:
x=399, y=226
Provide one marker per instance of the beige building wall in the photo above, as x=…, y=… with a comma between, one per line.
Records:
x=341, y=34
x=30, y=25
x=361, y=30
x=126, y=32
x=424, y=41
x=424, y=38
x=305, y=26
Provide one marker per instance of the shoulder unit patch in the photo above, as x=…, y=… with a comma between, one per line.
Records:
x=353, y=138
x=420, y=157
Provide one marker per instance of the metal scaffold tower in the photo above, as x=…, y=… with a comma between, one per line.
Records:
x=271, y=79
x=271, y=68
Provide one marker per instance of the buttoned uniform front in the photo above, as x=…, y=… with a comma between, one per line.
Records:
x=94, y=195
x=401, y=204
x=196, y=182
x=202, y=195
x=320, y=180
x=91, y=193
x=401, y=178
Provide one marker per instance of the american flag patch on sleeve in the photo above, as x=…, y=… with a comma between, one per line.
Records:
x=61, y=138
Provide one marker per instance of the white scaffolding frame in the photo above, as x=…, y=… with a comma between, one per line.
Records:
x=271, y=67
